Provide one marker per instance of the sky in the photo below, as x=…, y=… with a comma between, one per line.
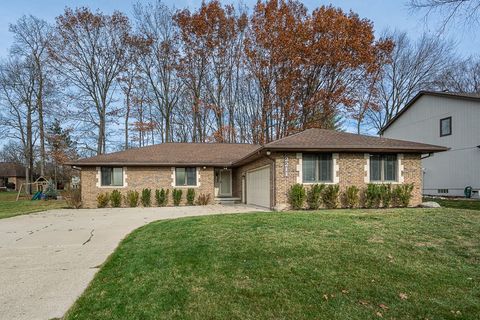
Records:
x=385, y=14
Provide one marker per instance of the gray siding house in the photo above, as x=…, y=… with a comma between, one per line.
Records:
x=447, y=119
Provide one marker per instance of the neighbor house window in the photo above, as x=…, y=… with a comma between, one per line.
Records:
x=445, y=126
x=112, y=176
x=383, y=167
x=185, y=177
x=317, y=167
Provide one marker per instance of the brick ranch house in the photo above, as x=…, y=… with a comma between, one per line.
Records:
x=254, y=174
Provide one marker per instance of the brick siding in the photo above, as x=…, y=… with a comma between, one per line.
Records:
x=138, y=178
x=351, y=171
x=285, y=171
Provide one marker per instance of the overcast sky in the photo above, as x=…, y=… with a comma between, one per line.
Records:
x=392, y=14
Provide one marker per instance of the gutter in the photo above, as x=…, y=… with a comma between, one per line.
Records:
x=149, y=164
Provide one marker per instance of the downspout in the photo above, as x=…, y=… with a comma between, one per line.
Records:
x=423, y=172
x=273, y=199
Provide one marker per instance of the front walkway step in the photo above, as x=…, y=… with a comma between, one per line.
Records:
x=229, y=200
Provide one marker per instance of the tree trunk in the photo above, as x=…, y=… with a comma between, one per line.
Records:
x=101, y=135
x=40, y=120
x=29, y=151
x=127, y=116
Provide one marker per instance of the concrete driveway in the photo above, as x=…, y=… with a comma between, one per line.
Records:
x=47, y=259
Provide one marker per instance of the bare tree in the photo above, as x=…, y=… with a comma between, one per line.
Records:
x=12, y=151
x=413, y=66
x=155, y=22
x=90, y=50
x=17, y=96
x=467, y=10
x=461, y=76
x=30, y=42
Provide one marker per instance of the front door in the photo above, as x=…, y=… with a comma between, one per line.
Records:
x=225, y=183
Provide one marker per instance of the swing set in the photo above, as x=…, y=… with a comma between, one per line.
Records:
x=37, y=188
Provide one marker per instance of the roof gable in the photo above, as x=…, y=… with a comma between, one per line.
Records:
x=452, y=95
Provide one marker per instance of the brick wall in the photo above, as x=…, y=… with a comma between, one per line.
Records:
x=138, y=178
x=352, y=170
x=412, y=173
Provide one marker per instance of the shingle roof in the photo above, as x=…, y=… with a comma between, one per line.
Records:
x=225, y=154
x=11, y=169
x=453, y=95
x=330, y=140
x=218, y=154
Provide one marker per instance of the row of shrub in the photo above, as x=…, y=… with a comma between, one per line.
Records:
x=373, y=196
x=133, y=198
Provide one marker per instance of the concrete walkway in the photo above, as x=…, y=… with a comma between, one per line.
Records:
x=47, y=259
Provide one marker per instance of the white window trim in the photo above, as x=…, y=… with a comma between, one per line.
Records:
x=185, y=187
x=99, y=179
x=336, y=170
x=400, y=170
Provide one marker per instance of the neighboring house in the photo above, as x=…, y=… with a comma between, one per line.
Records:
x=12, y=175
x=447, y=119
x=257, y=175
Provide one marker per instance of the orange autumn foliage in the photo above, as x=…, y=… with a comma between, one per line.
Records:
x=307, y=65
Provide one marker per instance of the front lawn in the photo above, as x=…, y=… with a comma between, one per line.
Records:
x=472, y=204
x=9, y=207
x=357, y=264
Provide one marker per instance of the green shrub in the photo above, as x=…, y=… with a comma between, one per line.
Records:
x=330, y=196
x=296, y=196
x=73, y=197
x=177, y=196
x=351, y=197
x=102, y=200
x=203, y=199
x=116, y=199
x=386, y=194
x=50, y=193
x=161, y=197
x=402, y=194
x=146, y=197
x=190, y=196
x=373, y=196
x=132, y=198
x=314, y=196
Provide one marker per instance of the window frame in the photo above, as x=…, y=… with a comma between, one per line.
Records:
x=383, y=158
x=186, y=185
x=317, y=168
x=112, y=185
x=450, y=126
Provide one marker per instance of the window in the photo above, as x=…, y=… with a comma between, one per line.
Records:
x=317, y=167
x=442, y=191
x=383, y=167
x=112, y=176
x=185, y=177
x=445, y=126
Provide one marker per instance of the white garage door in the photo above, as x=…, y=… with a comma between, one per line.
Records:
x=258, y=187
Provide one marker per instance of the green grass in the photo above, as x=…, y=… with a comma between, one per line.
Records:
x=10, y=208
x=358, y=264
x=456, y=203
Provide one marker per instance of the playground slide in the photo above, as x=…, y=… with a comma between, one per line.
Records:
x=37, y=195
